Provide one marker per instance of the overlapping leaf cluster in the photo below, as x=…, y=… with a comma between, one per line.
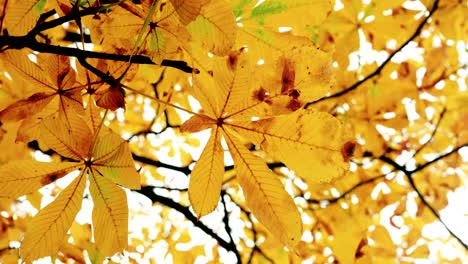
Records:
x=54, y=114
x=288, y=93
x=230, y=99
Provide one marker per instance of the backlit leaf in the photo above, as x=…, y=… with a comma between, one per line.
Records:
x=48, y=228
x=73, y=141
x=110, y=215
x=113, y=160
x=26, y=176
x=22, y=15
x=188, y=10
x=197, y=123
x=25, y=108
x=206, y=177
x=305, y=133
x=265, y=194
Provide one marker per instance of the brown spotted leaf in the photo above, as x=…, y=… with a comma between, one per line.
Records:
x=305, y=134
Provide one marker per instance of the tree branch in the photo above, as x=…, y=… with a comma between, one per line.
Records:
x=15, y=42
x=155, y=198
x=380, y=68
x=350, y=190
x=228, y=227
x=421, y=167
x=29, y=41
x=159, y=164
x=434, y=131
x=409, y=177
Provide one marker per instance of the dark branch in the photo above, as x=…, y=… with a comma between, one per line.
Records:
x=159, y=164
x=409, y=177
x=228, y=227
x=423, y=166
x=155, y=198
x=350, y=190
x=434, y=131
x=29, y=41
x=380, y=68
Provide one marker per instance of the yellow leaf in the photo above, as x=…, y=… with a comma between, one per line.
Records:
x=307, y=70
x=110, y=215
x=93, y=118
x=26, y=176
x=71, y=252
x=383, y=240
x=346, y=230
x=113, y=160
x=277, y=13
x=305, y=133
x=420, y=252
x=48, y=228
x=215, y=28
x=302, y=74
x=207, y=176
x=264, y=194
x=227, y=92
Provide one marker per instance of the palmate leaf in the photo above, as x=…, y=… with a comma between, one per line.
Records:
x=20, y=67
x=22, y=15
x=52, y=88
x=231, y=99
x=112, y=158
x=102, y=154
x=188, y=10
x=215, y=27
x=70, y=141
x=22, y=109
x=48, y=228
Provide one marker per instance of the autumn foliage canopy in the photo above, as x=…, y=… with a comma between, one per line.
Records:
x=233, y=131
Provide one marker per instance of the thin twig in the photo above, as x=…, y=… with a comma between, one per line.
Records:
x=409, y=177
x=423, y=166
x=228, y=227
x=155, y=198
x=350, y=190
x=434, y=131
x=380, y=68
